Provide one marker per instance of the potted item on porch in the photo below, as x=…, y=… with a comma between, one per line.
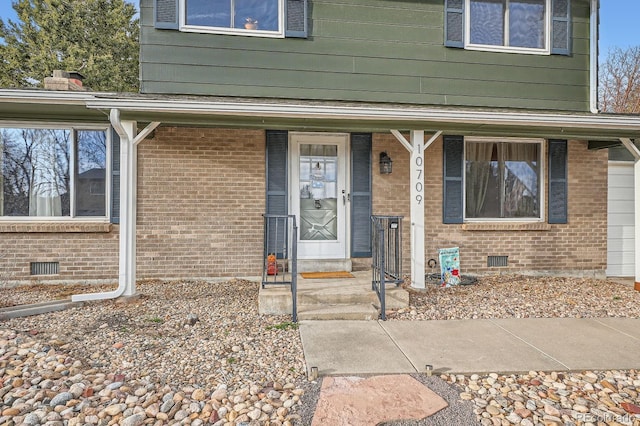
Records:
x=272, y=265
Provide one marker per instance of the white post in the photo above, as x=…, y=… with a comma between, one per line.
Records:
x=128, y=185
x=417, y=208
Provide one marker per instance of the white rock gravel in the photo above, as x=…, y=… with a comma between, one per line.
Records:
x=198, y=353
x=506, y=296
x=141, y=362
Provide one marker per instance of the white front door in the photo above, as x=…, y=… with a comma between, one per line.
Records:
x=319, y=193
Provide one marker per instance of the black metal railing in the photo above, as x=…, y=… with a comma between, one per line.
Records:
x=386, y=245
x=280, y=255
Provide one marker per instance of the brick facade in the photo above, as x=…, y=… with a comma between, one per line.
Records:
x=201, y=194
x=576, y=248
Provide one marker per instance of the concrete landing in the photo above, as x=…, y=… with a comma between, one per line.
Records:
x=471, y=346
x=331, y=299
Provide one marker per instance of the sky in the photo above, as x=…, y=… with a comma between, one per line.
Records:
x=618, y=27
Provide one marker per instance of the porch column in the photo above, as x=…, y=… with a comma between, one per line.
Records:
x=128, y=185
x=417, y=208
x=633, y=149
x=416, y=147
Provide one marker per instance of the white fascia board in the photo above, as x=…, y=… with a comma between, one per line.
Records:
x=559, y=120
x=45, y=96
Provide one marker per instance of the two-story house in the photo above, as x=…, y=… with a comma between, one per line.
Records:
x=486, y=109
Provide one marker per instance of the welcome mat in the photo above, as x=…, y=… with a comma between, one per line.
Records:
x=334, y=274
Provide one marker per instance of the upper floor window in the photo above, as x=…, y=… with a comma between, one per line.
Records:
x=263, y=17
x=508, y=23
x=53, y=172
x=522, y=26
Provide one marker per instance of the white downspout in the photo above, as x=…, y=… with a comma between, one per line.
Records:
x=593, y=57
x=127, y=235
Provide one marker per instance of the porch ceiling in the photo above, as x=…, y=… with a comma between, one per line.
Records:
x=39, y=105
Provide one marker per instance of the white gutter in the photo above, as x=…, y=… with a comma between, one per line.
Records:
x=593, y=57
x=46, y=96
x=424, y=115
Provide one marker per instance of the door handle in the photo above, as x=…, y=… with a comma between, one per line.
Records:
x=344, y=198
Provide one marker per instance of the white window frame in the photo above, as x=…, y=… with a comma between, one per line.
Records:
x=72, y=218
x=231, y=31
x=541, y=183
x=508, y=49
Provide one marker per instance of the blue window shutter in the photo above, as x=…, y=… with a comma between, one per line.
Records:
x=558, y=177
x=453, y=170
x=454, y=23
x=277, y=184
x=360, y=194
x=561, y=27
x=297, y=18
x=165, y=13
x=115, y=177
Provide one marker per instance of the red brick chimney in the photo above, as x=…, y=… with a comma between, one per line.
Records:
x=64, y=80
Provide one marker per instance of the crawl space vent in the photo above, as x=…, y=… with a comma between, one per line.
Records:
x=45, y=268
x=497, y=261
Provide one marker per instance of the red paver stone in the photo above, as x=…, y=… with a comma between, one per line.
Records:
x=355, y=401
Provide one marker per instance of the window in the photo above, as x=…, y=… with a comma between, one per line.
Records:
x=234, y=16
x=53, y=173
x=263, y=18
x=523, y=26
x=508, y=23
x=502, y=179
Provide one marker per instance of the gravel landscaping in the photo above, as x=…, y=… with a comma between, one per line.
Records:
x=198, y=353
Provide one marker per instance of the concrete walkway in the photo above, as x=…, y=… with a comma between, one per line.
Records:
x=471, y=346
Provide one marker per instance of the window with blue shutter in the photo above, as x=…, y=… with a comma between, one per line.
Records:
x=360, y=195
x=453, y=169
x=165, y=13
x=558, y=179
x=509, y=25
x=454, y=23
x=249, y=17
x=277, y=183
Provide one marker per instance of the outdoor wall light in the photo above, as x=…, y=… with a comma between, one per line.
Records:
x=385, y=163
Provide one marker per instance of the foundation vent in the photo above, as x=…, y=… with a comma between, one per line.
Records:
x=497, y=261
x=45, y=268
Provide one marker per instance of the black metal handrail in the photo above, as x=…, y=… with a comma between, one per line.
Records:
x=280, y=255
x=386, y=244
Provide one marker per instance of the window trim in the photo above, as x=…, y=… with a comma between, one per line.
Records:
x=541, y=183
x=72, y=218
x=184, y=27
x=508, y=49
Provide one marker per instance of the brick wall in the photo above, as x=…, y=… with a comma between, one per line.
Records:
x=201, y=195
x=576, y=248
x=200, y=203
x=85, y=252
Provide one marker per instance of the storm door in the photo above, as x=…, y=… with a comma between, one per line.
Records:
x=319, y=194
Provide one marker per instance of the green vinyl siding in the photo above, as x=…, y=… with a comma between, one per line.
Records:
x=366, y=50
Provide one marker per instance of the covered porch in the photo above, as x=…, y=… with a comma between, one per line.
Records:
x=413, y=128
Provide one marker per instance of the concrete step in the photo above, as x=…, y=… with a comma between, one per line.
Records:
x=20, y=311
x=324, y=265
x=336, y=296
x=338, y=312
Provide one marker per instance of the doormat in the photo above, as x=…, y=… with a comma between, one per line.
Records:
x=335, y=274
